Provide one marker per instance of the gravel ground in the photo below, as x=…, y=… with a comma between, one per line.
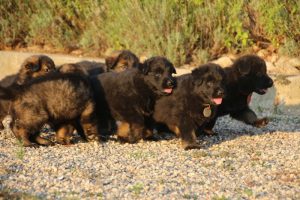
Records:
x=242, y=162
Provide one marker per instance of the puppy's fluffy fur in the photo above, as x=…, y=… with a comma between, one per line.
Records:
x=129, y=96
x=192, y=103
x=58, y=99
x=32, y=67
x=248, y=74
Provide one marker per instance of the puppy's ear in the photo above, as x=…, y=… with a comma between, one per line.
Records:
x=145, y=67
x=110, y=61
x=198, y=72
x=244, y=68
x=174, y=70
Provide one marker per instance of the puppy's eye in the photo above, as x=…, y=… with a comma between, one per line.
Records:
x=47, y=69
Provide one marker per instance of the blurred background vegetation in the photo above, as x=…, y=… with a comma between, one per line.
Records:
x=183, y=30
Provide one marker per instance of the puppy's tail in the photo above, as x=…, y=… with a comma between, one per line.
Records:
x=7, y=93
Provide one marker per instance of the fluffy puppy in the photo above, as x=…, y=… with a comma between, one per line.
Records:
x=129, y=96
x=193, y=102
x=57, y=99
x=32, y=67
x=248, y=74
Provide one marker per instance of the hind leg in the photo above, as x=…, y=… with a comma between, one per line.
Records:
x=130, y=133
x=248, y=116
x=89, y=123
x=23, y=136
x=39, y=140
x=63, y=134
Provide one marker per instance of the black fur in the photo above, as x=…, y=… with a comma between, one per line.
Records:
x=183, y=111
x=129, y=96
x=248, y=74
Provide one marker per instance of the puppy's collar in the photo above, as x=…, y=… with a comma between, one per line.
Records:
x=207, y=110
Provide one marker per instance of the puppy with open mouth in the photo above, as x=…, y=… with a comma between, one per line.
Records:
x=248, y=74
x=129, y=97
x=192, y=103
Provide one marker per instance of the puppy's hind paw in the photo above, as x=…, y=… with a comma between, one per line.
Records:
x=261, y=122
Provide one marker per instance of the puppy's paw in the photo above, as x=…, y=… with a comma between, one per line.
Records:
x=209, y=132
x=189, y=146
x=32, y=145
x=261, y=122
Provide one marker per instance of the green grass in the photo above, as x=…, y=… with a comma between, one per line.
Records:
x=20, y=151
x=137, y=189
x=184, y=31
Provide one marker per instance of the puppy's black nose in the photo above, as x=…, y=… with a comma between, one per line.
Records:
x=270, y=82
x=220, y=93
x=170, y=83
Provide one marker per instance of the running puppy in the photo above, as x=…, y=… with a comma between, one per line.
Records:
x=248, y=74
x=193, y=102
x=129, y=96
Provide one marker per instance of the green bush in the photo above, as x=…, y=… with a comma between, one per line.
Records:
x=183, y=30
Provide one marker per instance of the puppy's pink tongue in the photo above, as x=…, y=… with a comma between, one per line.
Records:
x=217, y=100
x=168, y=90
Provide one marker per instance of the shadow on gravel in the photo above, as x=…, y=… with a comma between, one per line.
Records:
x=229, y=129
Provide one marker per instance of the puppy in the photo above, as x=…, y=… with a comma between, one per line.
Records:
x=91, y=68
x=121, y=60
x=32, y=67
x=118, y=61
x=57, y=99
x=73, y=68
x=193, y=102
x=129, y=96
x=248, y=74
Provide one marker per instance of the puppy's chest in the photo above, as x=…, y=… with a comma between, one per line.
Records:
x=204, y=112
x=234, y=103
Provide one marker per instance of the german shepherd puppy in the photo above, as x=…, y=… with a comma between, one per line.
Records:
x=33, y=66
x=58, y=99
x=194, y=101
x=129, y=96
x=248, y=74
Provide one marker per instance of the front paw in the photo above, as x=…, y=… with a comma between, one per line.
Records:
x=209, y=132
x=261, y=122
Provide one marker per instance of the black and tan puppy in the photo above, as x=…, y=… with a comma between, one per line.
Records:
x=248, y=74
x=193, y=102
x=121, y=60
x=57, y=99
x=118, y=61
x=129, y=96
x=33, y=66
